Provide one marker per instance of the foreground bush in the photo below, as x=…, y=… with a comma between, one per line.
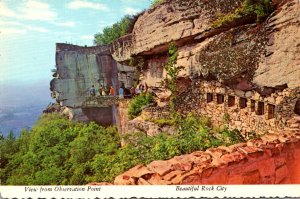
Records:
x=58, y=151
x=137, y=103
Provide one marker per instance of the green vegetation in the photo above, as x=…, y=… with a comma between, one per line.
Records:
x=172, y=73
x=226, y=118
x=258, y=9
x=137, y=62
x=137, y=103
x=58, y=151
x=194, y=133
x=156, y=2
x=164, y=121
x=119, y=29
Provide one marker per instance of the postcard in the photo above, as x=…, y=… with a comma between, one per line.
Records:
x=149, y=98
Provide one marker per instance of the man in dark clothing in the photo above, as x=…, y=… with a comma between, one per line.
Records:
x=93, y=91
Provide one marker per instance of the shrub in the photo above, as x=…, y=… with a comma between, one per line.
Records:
x=259, y=9
x=172, y=73
x=137, y=103
x=164, y=121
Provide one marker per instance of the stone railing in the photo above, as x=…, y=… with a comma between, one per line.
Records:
x=271, y=159
x=101, y=101
x=104, y=49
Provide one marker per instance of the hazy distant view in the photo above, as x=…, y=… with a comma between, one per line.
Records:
x=21, y=105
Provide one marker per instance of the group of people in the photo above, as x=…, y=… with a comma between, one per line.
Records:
x=105, y=91
x=138, y=89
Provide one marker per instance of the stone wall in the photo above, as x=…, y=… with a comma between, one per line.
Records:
x=271, y=159
x=102, y=101
x=243, y=110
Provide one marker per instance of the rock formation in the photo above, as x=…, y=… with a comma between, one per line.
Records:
x=264, y=55
x=77, y=69
x=248, y=71
x=253, y=64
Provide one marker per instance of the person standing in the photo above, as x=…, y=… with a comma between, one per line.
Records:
x=112, y=91
x=121, y=92
x=93, y=91
x=101, y=90
x=137, y=90
x=132, y=91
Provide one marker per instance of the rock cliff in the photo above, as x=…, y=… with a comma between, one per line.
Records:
x=77, y=69
x=252, y=63
x=264, y=55
x=247, y=70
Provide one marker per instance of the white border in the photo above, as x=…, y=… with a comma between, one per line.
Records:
x=174, y=191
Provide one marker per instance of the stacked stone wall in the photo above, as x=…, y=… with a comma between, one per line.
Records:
x=243, y=110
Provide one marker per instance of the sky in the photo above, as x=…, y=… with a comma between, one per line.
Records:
x=29, y=30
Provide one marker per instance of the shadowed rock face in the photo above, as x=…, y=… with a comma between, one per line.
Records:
x=103, y=116
x=78, y=68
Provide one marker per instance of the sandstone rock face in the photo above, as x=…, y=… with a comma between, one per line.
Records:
x=263, y=55
x=281, y=64
x=173, y=20
x=255, y=63
x=272, y=159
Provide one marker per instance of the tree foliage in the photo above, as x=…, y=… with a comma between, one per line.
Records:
x=115, y=31
x=172, y=73
x=58, y=151
x=156, y=2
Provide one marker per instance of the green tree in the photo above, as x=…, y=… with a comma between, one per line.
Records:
x=172, y=74
x=156, y=2
x=115, y=31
